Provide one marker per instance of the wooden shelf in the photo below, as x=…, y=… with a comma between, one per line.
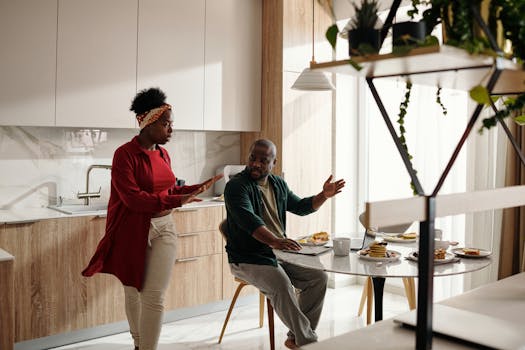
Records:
x=444, y=66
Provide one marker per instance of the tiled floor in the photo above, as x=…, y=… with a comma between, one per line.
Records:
x=339, y=316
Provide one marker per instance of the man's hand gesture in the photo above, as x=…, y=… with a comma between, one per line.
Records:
x=330, y=189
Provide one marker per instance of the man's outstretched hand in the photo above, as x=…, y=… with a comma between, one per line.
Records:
x=330, y=188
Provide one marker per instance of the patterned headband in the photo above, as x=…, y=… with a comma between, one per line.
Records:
x=152, y=116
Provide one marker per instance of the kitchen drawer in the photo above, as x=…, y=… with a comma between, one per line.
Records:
x=195, y=281
x=198, y=244
x=198, y=219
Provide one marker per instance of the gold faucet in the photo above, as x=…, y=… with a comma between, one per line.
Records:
x=87, y=195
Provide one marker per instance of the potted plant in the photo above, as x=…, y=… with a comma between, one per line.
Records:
x=409, y=32
x=363, y=35
x=362, y=31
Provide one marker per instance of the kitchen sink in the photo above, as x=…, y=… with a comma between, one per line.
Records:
x=79, y=208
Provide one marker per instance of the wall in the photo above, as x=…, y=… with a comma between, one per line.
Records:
x=38, y=163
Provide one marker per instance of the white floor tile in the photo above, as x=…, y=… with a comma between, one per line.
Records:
x=339, y=316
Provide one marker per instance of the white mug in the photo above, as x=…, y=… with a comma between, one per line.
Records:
x=438, y=234
x=341, y=246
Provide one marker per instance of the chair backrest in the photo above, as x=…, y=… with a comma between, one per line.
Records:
x=223, y=227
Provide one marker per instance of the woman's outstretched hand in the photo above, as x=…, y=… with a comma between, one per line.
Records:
x=192, y=197
x=208, y=183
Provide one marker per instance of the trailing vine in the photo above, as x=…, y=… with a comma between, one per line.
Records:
x=511, y=105
x=439, y=102
x=403, y=106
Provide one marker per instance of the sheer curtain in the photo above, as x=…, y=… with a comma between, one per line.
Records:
x=431, y=138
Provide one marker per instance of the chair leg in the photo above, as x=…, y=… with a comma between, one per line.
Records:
x=270, y=324
x=369, y=300
x=363, y=299
x=410, y=292
x=261, y=309
x=235, y=296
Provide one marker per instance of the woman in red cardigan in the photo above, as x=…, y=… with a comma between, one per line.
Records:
x=139, y=244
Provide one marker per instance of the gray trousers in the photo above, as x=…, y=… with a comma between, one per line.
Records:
x=299, y=312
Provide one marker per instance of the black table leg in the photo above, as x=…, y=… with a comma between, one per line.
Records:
x=379, y=286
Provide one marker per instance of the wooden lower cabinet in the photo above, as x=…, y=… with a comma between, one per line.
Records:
x=7, y=309
x=195, y=281
x=52, y=297
x=50, y=293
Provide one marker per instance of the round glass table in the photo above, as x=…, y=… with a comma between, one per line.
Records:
x=379, y=271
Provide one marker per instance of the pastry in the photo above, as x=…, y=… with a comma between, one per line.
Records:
x=409, y=235
x=320, y=237
x=439, y=254
x=470, y=251
x=377, y=250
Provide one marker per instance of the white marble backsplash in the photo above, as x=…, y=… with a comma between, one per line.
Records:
x=39, y=164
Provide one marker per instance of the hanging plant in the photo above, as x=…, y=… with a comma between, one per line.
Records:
x=458, y=23
x=403, y=107
x=439, y=102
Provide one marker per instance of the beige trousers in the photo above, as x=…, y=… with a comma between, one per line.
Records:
x=144, y=309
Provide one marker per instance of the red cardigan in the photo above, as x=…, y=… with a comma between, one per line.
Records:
x=122, y=250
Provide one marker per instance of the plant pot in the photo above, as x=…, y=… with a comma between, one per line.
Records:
x=408, y=33
x=369, y=37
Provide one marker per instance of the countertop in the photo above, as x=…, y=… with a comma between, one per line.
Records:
x=27, y=215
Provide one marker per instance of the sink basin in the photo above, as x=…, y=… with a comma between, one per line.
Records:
x=79, y=208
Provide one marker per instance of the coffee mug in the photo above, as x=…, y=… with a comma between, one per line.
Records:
x=341, y=246
x=438, y=234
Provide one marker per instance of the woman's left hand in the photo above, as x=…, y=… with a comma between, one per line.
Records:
x=208, y=183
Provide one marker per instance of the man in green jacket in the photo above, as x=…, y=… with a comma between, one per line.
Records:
x=256, y=205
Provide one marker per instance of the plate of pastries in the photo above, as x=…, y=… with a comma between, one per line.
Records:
x=377, y=251
x=316, y=239
x=440, y=256
x=471, y=252
x=406, y=237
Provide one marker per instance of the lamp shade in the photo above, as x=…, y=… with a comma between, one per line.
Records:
x=310, y=80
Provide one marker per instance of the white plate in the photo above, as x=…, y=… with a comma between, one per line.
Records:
x=310, y=244
x=369, y=258
x=448, y=257
x=396, y=238
x=482, y=253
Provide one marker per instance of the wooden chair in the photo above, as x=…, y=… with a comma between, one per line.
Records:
x=223, y=228
x=368, y=289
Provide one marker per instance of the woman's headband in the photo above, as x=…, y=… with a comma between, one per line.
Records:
x=152, y=116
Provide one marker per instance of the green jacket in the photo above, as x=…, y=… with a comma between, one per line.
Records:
x=244, y=205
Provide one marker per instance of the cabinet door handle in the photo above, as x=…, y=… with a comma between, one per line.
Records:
x=188, y=234
x=27, y=221
x=186, y=259
x=186, y=209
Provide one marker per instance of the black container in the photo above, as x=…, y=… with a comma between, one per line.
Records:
x=358, y=36
x=408, y=33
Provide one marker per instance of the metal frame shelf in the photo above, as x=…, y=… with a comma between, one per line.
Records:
x=449, y=67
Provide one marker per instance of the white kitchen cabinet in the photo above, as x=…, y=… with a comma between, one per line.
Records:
x=27, y=62
x=171, y=56
x=96, y=63
x=232, y=81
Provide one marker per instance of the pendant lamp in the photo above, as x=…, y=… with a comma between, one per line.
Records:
x=311, y=80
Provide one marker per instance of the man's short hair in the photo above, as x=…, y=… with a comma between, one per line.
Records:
x=265, y=143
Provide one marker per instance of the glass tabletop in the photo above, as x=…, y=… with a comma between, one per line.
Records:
x=354, y=265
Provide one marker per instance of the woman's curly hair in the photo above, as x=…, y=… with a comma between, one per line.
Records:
x=147, y=99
